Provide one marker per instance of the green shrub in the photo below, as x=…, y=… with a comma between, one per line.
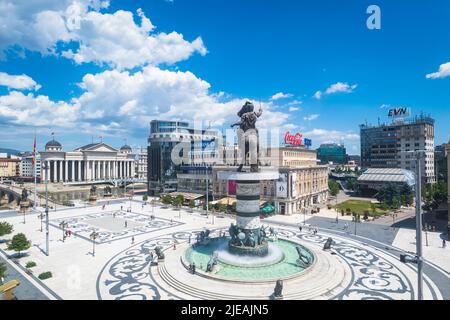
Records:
x=145, y=197
x=19, y=243
x=30, y=264
x=45, y=275
x=5, y=228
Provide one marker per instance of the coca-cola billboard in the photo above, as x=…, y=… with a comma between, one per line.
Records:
x=296, y=139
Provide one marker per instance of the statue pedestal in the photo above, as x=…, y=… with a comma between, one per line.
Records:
x=249, y=240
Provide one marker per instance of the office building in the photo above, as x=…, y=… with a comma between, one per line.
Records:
x=173, y=144
x=392, y=145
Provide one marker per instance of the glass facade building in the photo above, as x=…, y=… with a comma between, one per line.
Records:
x=194, y=147
x=332, y=152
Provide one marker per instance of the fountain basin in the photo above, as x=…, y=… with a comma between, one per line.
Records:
x=280, y=263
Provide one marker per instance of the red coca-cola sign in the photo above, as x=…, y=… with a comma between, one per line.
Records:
x=293, y=139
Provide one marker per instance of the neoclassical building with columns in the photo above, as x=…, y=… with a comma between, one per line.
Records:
x=92, y=163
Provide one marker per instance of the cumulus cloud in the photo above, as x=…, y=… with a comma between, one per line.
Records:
x=31, y=110
x=335, y=88
x=281, y=95
x=19, y=82
x=329, y=136
x=311, y=117
x=292, y=109
x=444, y=71
x=78, y=30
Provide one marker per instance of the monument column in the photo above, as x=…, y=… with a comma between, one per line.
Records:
x=104, y=170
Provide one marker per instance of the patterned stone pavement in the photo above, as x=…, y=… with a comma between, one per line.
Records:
x=120, y=267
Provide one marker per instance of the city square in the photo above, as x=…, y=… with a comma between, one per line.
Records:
x=355, y=268
x=192, y=153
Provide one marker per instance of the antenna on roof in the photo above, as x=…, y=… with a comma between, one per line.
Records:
x=101, y=139
x=53, y=136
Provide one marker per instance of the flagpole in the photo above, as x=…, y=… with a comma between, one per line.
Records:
x=35, y=171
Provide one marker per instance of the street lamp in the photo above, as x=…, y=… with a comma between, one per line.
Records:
x=63, y=225
x=418, y=187
x=93, y=236
x=47, y=229
x=41, y=217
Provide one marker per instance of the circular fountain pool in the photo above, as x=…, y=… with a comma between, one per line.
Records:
x=281, y=262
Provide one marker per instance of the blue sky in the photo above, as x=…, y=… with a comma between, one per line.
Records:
x=106, y=68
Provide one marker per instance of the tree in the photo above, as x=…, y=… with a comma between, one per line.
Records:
x=5, y=228
x=2, y=272
x=351, y=183
x=167, y=199
x=395, y=203
x=145, y=197
x=178, y=201
x=333, y=186
x=192, y=204
x=19, y=243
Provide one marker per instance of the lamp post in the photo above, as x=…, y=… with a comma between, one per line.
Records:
x=41, y=217
x=47, y=229
x=93, y=236
x=418, y=187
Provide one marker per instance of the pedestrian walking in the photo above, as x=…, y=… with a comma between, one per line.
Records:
x=443, y=243
x=132, y=240
x=126, y=223
x=121, y=207
x=300, y=228
x=174, y=247
x=337, y=219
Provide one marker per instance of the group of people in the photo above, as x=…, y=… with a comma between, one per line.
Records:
x=311, y=229
x=68, y=233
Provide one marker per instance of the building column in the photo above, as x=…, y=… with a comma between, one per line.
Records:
x=66, y=170
x=104, y=170
x=114, y=169
x=78, y=170
x=119, y=165
x=60, y=175
x=54, y=170
x=72, y=170
x=97, y=176
x=108, y=171
x=86, y=177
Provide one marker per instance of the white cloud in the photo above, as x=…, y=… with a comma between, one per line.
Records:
x=47, y=26
x=329, y=136
x=31, y=110
x=133, y=99
x=444, y=71
x=335, y=88
x=292, y=109
x=281, y=95
x=340, y=87
x=311, y=117
x=19, y=82
x=318, y=95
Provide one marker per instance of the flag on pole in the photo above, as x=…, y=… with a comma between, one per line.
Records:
x=34, y=152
